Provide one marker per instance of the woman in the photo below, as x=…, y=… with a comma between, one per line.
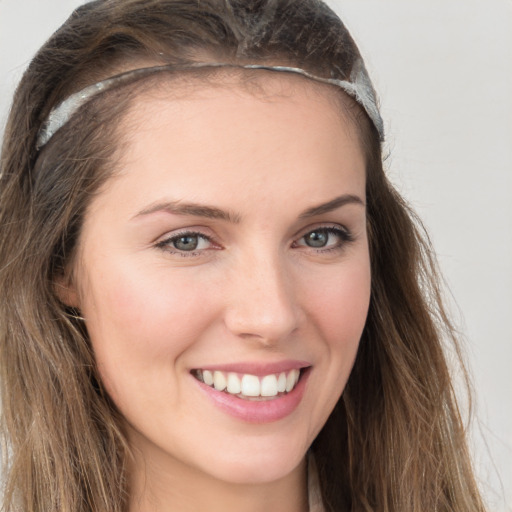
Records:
x=216, y=299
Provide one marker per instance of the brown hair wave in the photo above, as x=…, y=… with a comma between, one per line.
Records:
x=395, y=441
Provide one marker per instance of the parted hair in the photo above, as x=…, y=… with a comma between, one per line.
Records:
x=395, y=440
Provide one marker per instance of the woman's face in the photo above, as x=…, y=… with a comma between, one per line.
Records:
x=231, y=247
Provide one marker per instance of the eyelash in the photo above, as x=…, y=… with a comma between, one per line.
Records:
x=343, y=234
x=167, y=244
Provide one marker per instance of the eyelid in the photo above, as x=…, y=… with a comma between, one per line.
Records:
x=344, y=234
x=323, y=226
x=186, y=230
x=164, y=242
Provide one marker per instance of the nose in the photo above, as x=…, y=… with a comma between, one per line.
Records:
x=261, y=302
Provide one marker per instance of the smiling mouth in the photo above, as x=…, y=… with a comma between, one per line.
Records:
x=250, y=387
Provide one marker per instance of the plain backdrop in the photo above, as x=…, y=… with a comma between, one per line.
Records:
x=443, y=70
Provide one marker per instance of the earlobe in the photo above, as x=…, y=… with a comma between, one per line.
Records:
x=66, y=291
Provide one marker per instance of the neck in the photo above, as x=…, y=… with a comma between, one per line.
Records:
x=161, y=486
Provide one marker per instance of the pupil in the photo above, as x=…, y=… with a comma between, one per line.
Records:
x=186, y=243
x=317, y=239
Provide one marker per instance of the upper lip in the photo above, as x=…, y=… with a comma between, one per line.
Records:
x=257, y=368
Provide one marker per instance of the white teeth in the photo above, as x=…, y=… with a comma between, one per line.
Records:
x=219, y=381
x=251, y=385
x=291, y=380
x=269, y=386
x=281, y=383
x=207, y=377
x=234, y=385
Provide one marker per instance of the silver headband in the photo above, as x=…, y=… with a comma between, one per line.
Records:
x=358, y=87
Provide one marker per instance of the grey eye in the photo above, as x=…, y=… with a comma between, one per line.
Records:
x=317, y=239
x=186, y=243
x=325, y=238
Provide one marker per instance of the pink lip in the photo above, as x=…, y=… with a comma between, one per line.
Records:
x=257, y=411
x=259, y=369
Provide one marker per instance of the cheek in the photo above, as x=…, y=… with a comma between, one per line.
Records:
x=140, y=321
x=338, y=304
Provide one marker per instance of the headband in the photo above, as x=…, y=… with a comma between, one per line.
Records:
x=358, y=87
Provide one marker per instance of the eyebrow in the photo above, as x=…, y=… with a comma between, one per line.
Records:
x=334, y=204
x=212, y=212
x=193, y=209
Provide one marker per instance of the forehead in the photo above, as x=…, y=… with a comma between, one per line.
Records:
x=253, y=136
x=230, y=87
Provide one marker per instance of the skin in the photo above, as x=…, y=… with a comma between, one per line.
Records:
x=253, y=290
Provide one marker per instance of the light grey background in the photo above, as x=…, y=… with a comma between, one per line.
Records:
x=443, y=69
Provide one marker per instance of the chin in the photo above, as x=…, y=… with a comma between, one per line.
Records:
x=262, y=471
x=260, y=463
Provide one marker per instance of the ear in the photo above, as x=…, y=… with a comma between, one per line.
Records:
x=66, y=291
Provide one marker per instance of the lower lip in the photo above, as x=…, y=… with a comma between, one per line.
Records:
x=264, y=411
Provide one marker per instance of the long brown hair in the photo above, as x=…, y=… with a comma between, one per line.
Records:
x=395, y=441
